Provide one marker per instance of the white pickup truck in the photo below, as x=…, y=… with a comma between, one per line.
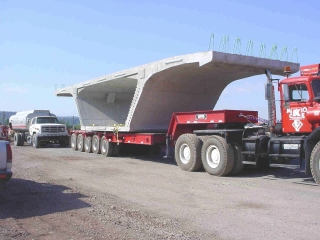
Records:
x=5, y=163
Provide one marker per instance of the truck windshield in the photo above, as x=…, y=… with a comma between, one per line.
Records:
x=47, y=120
x=316, y=87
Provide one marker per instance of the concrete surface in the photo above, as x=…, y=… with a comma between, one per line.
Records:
x=143, y=98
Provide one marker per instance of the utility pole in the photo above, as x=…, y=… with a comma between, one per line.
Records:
x=72, y=122
x=3, y=118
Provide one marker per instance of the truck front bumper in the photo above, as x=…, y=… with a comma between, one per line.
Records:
x=53, y=138
x=5, y=177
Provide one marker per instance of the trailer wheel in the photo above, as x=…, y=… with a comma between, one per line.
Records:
x=217, y=156
x=35, y=141
x=315, y=163
x=16, y=139
x=80, y=144
x=187, y=152
x=73, y=142
x=96, y=144
x=88, y=144
x=238, y=164
x=106, y=147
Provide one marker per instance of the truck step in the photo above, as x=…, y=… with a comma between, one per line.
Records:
x=250, y=139
x=248, y=152
x=285, y=155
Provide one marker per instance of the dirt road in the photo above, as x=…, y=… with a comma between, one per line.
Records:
x=57, y=193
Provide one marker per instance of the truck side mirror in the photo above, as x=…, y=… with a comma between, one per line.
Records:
x=268, y=91
x=285, y=92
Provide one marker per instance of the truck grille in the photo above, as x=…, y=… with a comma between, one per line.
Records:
x=52, y=129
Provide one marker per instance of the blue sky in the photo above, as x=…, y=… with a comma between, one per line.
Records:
x=46, y=44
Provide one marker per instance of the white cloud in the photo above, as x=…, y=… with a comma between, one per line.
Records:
x=15, y=89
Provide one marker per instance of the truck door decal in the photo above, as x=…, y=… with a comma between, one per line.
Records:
x=297, y=114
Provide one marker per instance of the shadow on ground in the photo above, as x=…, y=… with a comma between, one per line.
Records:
x=277, y=172
x=250, y=170
x=25, y=199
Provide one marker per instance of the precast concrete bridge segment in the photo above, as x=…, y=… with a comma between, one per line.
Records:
x=143, y=98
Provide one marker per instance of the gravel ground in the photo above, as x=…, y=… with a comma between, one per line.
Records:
x=57, y=193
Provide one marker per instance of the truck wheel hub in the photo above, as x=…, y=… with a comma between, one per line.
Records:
x=213, y=156
x=184, y=153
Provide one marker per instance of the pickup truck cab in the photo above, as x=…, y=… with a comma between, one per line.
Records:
x=5, y=163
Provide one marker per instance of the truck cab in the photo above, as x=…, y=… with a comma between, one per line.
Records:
x=45, y=129
x=300, y=98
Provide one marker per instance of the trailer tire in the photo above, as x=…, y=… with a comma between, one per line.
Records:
x=73, y=142
x=238, y=164
x=315, y=163
x=106, y=147
x=35, y=141
x=217, y=156
x=80, y=144
x=88, y=144
x=96, y=144
x=188, y=152
x=16, y=139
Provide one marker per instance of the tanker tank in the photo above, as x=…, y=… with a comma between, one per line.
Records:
x=143, y=98
x=21, y=120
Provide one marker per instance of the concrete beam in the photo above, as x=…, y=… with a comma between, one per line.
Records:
x=143, y=98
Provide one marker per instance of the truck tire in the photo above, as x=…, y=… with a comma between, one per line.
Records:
x=315, y=163
x=73, y=142
x=80, y=144
x=96, y=144
x=23, y=136
x=64, y=143
x=263, y=162
x=217, y=156
x=88, y=144
x=238, y=164
x=188, y=152
x=16, y=139
x=106, y=147
x=35, y=141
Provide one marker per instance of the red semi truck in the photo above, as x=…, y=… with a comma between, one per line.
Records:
x=220, y=140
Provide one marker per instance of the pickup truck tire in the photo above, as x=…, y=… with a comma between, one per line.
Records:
x=238, y=164
x=73, y=142
x=64, y=143
x=96, y=144
x=80, y=144
x=217, y=156
x=16, y=139
x=315, y=163
x=35, y=141
x=106, y=147
x=187, y=152
x=88, y=144
x=22, y=139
